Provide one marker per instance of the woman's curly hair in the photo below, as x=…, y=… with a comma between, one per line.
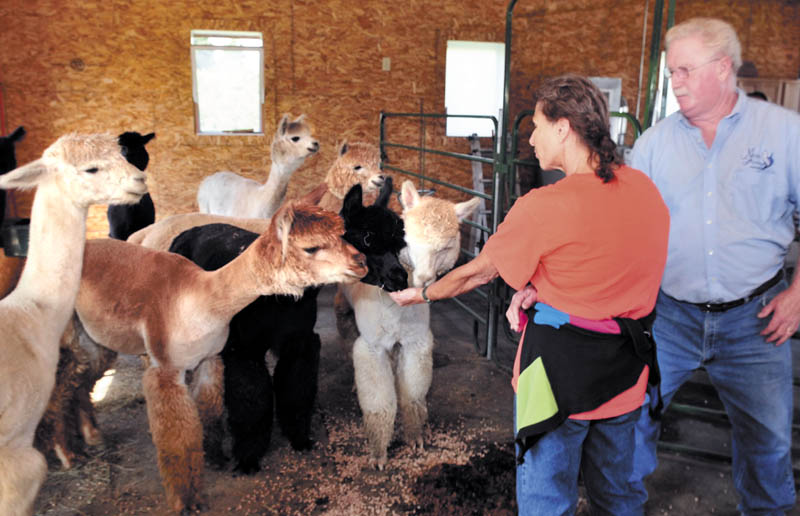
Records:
x=581, y=102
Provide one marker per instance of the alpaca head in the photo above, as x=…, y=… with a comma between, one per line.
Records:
x=8, y=160
x=432, y=233
x=356, y=163
x=303, y=247
x=377, y=232
x=132, y=144
x=293, y=142
x=86, y=168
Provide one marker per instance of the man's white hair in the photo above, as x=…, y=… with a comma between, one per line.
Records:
x=717, y=35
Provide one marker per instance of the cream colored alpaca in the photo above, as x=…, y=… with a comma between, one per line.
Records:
x=74, y=172
x=432, y=235
x=226, y=193
x=356, y=163
x=136, y=300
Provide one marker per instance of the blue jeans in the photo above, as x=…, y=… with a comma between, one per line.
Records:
x=754, y=381
x=547, y=481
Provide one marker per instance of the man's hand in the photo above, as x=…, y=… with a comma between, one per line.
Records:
x=520, y=301
x=785, y=310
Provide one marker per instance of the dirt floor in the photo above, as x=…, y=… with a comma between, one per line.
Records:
x=467, y=467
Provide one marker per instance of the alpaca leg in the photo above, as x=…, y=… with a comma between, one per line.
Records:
x=376, y=396
x=248, y=398
x=414, y=372
x=296, y=378
x=22, y=472
x=177, y=435
x=345, y=316
x=206, y=390
x=101, y=359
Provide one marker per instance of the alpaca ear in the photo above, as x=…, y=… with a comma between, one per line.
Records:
x=26, y=176
x=352, y=200
x=18, y=134
x=283, y=125
x=385, y=194
x=299, y=118
x=343, y=148
x=409, y=197
x=465, y=209
x=282, y=221
x=147, y=137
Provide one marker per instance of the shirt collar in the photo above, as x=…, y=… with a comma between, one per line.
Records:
x=735, y=114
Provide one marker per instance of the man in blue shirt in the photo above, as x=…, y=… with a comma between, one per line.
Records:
x=728, y=167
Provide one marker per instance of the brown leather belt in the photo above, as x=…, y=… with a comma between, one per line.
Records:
x=721, y=307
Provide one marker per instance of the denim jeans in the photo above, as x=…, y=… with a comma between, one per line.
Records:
x=754, y=381
x=547, y=481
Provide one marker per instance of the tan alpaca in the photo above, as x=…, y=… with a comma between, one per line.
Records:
x=356, y=163
x=74, y=172
x=136, y=300
x=226, y=193
x=433, y=238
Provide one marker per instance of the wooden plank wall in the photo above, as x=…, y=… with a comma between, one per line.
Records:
x=117, y=65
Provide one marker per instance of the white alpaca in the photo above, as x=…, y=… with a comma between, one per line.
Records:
x=226, y=193
x=74, y=172
x=432, y=235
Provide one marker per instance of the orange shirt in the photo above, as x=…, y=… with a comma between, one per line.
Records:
x=592, y=249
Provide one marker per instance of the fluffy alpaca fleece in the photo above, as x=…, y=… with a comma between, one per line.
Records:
x=226, y=193
x=74, y=172
x=432, y=235
x=356, y=163
x=136, y=300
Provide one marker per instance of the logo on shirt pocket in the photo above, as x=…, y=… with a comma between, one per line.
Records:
x=758, y=159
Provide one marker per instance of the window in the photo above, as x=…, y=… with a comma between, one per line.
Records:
x=665, y=103
x=227, y=81
x=474, y=75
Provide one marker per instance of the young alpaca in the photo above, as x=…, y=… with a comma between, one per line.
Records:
x=74, y=172
x=123, y=220
x=286, y=327
x=356, y=163
x=433, y=239
x=8, y=161
x=226, y=193
x=136, y=300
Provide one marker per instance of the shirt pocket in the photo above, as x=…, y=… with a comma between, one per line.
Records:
x=756, y=193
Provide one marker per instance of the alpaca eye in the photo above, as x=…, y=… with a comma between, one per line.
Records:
x=357, y=167
x=311, y=250
x=295, y=139
x=91, y=170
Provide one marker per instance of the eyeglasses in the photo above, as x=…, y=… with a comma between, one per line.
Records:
x=682, y=72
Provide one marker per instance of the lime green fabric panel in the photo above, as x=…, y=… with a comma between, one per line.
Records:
x=535, y=400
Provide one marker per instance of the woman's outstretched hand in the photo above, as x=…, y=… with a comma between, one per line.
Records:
x=409, y=296
x=520, y=301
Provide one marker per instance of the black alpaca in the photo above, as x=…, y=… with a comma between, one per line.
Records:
x=124, y=220
x=8, y=161
x=285, y=326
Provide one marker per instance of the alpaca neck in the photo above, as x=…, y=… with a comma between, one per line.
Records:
x=233, y=286
x=52, y=272
x=273, y=191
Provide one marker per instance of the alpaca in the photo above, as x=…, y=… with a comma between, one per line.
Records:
x=126, y=219
x=356, y=163
x=286, y=327
x=8, y=161
x=432, y=235
x=136, y=300
x=74, y=172
x=226, y=193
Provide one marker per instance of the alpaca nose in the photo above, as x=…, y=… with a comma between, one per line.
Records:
x=314, y=146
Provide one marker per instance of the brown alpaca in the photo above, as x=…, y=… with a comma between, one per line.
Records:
x=356, y=163
x=73, y=173
x=136, y=300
